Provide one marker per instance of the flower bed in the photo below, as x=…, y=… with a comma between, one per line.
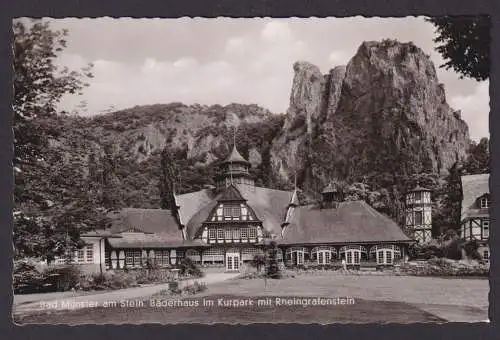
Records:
x=445, y=267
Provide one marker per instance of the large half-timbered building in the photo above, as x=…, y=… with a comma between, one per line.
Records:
x=227, y=225
x=475, y=216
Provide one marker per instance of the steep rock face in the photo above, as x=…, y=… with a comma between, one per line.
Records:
x=311, y=97
x=385, y=112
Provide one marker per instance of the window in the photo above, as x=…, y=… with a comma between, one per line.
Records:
x=228, y=234
x=349, y=257
x=129, y=258
x=388, y=257
x=419, y=218
x=252, y=233
x=89, y=252
x=220, y=234
x=244, y=232
x=486, y=228
x=485, y=203
x=133, y=258
x=162, y=257
x=323, y=254
x=236, y=234
x=232, y=212
x=295, y=255
x=385, y=253
x=486, y=255
x=213, y=256
x=80, y=256
x=212, y=234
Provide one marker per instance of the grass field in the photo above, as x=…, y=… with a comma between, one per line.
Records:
x=378, y=299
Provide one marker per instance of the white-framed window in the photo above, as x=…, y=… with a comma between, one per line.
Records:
x=220, y=234
x=212, y=234
x=213, y=256
x=323, y=254
x=80, y=255
x=353, y=254
x=236, y=234
x=252, y=232
x=133, y=258
x=385, y=253
x=162, y=257
x=296, y=255
x=228, y=234
x=232, y=212
x=244, y=233
x=484, y=203
x=89, y=253
x=486, y=228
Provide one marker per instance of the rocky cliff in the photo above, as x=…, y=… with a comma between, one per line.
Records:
x=378, y=119
x=385, y=112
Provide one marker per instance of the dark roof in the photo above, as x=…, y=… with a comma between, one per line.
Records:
x=235, y=157
x=231, y=194
x=161, y=222
x=329, y=188
x=142, y=240
x=419, y=188
x=98, y=233
x=268, y=204
x=473, y=187
x=350, y=222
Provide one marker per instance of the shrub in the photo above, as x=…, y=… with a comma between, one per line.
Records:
x=188, y=268
x=194, y=288
x=258, y=261
x=26, y=278
x=61, y=278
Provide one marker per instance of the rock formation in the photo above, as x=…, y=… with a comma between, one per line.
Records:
x=383, y=112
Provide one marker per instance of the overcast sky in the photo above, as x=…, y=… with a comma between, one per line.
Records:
x=221, y=61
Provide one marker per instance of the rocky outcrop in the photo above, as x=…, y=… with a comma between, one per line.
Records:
x=384, y=112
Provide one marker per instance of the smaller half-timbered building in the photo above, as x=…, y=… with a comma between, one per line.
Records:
x=475, y=216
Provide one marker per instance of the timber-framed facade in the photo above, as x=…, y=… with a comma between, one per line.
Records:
x=226, y=226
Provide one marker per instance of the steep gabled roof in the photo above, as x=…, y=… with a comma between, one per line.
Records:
x=231, y=193
x=350, y=222
x=235, y=157
x=269, y=205
x=157, y=221
x=473, y=187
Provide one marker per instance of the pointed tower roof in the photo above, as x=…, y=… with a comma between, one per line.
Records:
x=235, y=157
x=419, y=188
x=329, y=188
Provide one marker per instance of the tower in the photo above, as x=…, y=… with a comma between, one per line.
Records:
x=419, y=214
x=235, y=170
x=331, y=196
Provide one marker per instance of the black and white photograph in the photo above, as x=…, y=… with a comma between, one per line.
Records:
x=251, y=170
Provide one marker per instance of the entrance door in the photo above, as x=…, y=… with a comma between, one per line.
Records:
x=232, y=261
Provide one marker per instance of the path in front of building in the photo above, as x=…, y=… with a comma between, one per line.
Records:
x=68, y=300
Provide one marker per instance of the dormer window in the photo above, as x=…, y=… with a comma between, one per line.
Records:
x=485, y=203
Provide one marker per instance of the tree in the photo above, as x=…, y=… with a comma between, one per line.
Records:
x=478, y=160
x=464, y=43
x=45, y=181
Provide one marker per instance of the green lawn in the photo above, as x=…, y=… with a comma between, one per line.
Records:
x=360, y=312
x=378, y=299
